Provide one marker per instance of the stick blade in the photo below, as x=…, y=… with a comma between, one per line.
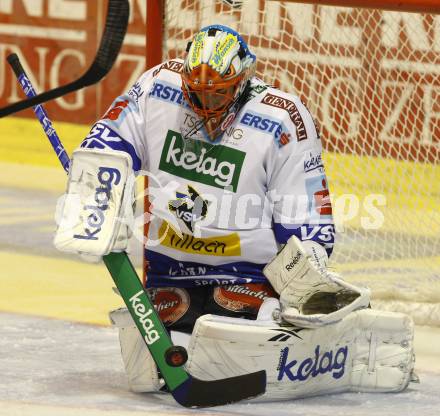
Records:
x=116, y=24
x=200, y=393
x=111, y=42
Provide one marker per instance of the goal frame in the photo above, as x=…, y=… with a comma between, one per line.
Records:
x=412, y=6
x=155, y=30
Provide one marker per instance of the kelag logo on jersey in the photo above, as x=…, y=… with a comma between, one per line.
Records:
x=218, y=166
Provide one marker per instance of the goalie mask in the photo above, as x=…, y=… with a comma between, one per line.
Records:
x=215, y=77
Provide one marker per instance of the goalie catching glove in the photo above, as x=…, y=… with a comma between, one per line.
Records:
x=310, y=295
x=92, y=219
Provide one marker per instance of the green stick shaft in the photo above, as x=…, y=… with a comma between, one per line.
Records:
x=146, y=318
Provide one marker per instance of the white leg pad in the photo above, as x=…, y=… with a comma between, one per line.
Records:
x=140, y=368
x=368, y=351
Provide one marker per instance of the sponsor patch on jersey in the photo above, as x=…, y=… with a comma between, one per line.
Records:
x=103, y=137
x=226, y=245
x=318, y=197
x=324, y=234
x=120, y=109
x=170, y=303
x=173, y=66
x=245, y=298
x=313, y=161
x=258, y=89
x=115, y=111
x=169, y=93
x=189, y=208
x=255, y=91
x=218, y=166
x=167, y=271
x=231, y=136
x=136, y=92
x=292, y=110
x=268, y=125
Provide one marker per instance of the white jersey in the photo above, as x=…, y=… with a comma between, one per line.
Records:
x=220, y=212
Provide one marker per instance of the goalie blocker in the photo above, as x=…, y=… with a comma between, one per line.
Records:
x=93, y=217
x=367, y=351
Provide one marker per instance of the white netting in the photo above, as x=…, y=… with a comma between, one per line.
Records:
x=372, y=80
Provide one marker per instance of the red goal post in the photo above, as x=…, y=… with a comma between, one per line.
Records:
x=369, y=71
x=155, y=10
x=417, y=6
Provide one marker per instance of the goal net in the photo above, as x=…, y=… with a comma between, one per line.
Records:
x=371, y=77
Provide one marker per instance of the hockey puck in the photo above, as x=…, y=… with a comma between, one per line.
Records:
x=176, y=356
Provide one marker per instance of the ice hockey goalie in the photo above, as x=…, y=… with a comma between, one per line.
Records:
x=240, y=230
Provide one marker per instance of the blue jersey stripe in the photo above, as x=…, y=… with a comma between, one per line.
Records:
x=166, y=271
x=103, y=137
x=323, y=234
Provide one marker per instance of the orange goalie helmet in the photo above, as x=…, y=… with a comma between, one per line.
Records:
x=216, y=72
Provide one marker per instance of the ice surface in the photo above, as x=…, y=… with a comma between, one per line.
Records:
x=58, y=368
x=53, y=367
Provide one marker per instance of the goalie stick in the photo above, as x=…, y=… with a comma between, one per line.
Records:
x=114, y=32
x=186, y=389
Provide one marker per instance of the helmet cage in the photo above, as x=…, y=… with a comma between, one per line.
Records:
x=214, y=90
x=211, y=99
